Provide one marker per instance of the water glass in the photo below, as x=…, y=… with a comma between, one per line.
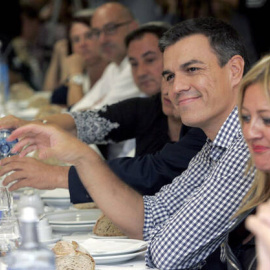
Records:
x=5, y=202
x=9, y=235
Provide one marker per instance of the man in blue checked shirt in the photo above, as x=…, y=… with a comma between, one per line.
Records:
x=204, y=61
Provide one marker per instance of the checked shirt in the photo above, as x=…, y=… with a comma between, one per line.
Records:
x=188, y=219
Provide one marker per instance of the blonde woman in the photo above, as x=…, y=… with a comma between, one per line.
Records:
x=238, y=251
x=254, y=105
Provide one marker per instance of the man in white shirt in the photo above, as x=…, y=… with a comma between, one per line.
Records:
x=110, y=24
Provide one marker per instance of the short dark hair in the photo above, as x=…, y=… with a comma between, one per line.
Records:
x=82, y=20
x=29, y=12
x=155, y=28
x=222, y=37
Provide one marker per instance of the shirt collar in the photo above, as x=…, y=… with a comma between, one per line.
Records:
x=123, y=64
x=229, y=131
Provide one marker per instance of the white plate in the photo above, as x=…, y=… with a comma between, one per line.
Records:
x=72, y=228
x=58, y=193
x=27, y=114
x=92, y=235
x=78, y=237
x=108, y=247
x=51, y=241
x=57, y=203
x=117, y=258
x=69, y=217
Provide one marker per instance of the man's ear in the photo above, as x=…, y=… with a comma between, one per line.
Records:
x=134, y=25
x=236, y=65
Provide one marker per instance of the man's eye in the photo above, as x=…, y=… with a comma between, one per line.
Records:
x=150, y=60
x=110, y=29
x=133, y=64
x=192, y=69
x=169, y=77
x=245, y=118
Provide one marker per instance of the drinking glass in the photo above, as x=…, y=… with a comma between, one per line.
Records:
x=9, y=235
x=5, y=202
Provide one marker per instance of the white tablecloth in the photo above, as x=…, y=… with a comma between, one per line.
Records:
x=134, y=264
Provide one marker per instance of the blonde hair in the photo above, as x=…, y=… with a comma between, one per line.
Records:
x=260, y=190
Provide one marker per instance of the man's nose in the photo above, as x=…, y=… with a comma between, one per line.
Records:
x=141, y=70
x=180, y=83
x=102, y=37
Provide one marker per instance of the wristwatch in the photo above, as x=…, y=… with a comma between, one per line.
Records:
x=77, y=79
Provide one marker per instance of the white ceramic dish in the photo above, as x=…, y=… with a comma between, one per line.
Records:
x=72, y=228
x=58, y=193
x=57, y=203
x=70, y=217
x=92, y=235
x=51, y=241
x=109, y=247
x=78, y=237
x=117, y=258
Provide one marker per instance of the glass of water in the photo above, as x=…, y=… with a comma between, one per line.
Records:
x=9, y=235
x=5, y=202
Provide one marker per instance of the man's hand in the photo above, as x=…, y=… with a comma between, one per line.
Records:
x=119, y=202
x=50, y=141
x=29, y=172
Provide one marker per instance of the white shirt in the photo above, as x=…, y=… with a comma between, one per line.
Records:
x=116, y=84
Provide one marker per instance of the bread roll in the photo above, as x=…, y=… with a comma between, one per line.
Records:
x=89, y=205
x=63, y=248
x=38, y=102
x=21, y=91
x=105, y=227
x=75, y=262
x=70, y=256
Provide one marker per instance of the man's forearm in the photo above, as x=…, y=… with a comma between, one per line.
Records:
x=118, y=201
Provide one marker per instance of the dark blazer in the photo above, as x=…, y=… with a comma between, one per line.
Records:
x=147, y=174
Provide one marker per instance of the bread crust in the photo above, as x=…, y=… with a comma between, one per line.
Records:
x=105, y=227
x=90, y=205
x=69, y=256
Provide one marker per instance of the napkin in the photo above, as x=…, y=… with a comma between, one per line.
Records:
x=3, y=266
x=104, y=246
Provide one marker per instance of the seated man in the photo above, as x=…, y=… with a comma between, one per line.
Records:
x=111, y=23
x=149, y=120
x=185, y=221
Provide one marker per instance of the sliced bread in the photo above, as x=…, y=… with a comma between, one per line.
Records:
x=105, y=227
x=70, y=256
x=79, y=261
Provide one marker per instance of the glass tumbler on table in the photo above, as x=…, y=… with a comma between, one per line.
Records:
x=9, y=235
x=5, y=203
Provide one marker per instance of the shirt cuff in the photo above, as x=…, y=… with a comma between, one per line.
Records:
x=77, y=191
